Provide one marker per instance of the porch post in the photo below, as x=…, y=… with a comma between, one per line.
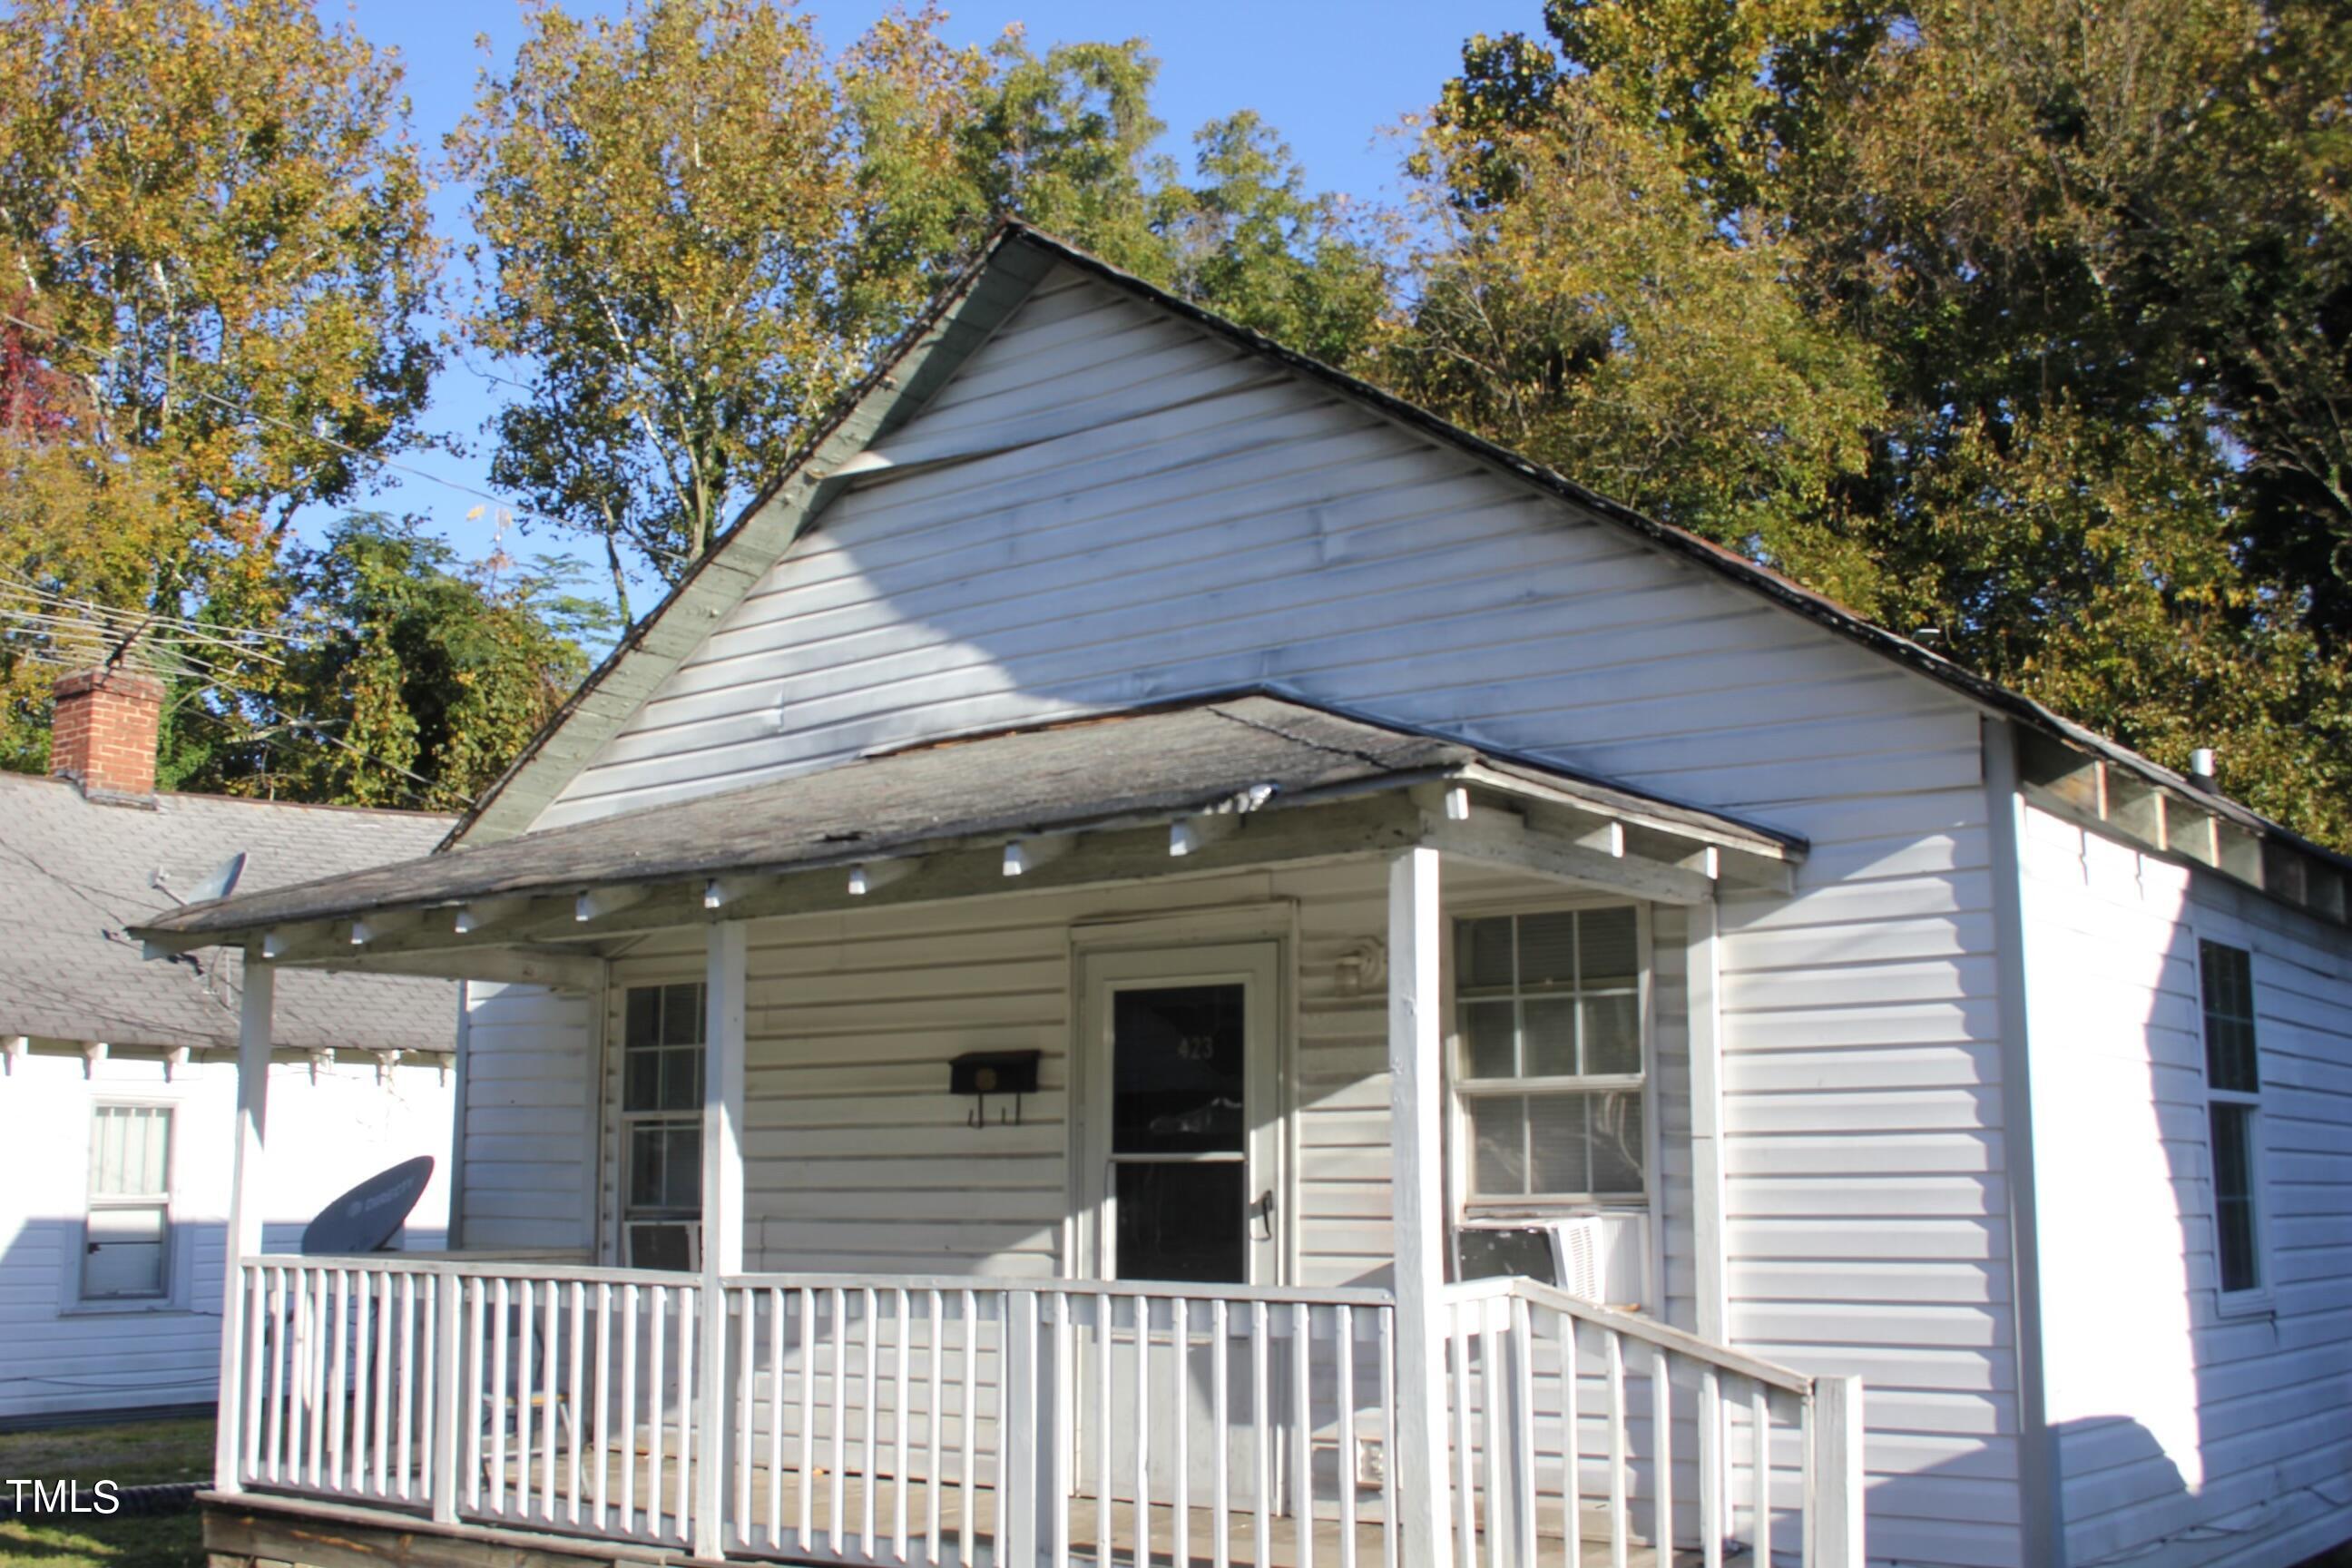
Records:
x=1416, y=1036
x=722, y=1225
x=1705, y=963
x=244, y=1238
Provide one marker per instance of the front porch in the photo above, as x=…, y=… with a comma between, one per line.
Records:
x=951, y=1420
x=1313, y=1385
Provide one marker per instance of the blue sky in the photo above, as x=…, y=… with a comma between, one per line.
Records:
x=1329, y=75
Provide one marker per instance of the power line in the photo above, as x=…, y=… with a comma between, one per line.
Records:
x=111, y=612
x=211, y=672
x=217, y=677
x=70, y=623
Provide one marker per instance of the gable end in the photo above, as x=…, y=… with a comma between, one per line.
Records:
x=960, y=320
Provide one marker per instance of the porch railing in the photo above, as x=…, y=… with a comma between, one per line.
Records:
x=863, y=1420
x=1579, y=1432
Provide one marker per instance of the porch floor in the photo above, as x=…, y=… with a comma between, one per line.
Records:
x=877, y=1521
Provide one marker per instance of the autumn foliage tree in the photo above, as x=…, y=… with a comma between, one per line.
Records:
x=215, y=215
x=213, y=246
x=697, y=227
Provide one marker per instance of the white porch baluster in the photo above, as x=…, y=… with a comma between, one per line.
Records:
x=1416, y=1035
x=448, y=1342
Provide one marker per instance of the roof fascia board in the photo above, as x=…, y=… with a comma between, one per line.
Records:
x=964, y=318
x=550, y=947
x=546, y=918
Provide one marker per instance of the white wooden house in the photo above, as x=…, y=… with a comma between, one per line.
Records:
x=117, y=1079
x=1936, y=1114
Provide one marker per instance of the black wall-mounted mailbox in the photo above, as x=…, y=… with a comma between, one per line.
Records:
x=983, y=1073
x=994, y=1072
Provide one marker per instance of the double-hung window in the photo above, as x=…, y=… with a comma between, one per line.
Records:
x=661, y=1126
x=1549, y=1067
x=127, y=1240
x=2233, y=1111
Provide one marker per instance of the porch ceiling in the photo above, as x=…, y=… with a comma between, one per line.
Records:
x=1235, y=773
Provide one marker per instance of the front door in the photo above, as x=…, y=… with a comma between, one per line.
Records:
x=1183, y=1132
x=1180, y=1150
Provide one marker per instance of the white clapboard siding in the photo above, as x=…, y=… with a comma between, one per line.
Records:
x=1863, y=1182
x=1165, y=550
x=858, y=1159
x=328, y=1131
x=529, y=1119
x=2182, y=1429
x=1146, y=512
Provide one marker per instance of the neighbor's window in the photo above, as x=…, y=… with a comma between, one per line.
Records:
x=126, y=1244
x=661, y=1125
x=2233, y=1109
x=1549, y=1055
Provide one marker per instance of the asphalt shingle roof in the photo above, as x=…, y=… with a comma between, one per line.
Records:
x=1142, y=764
x=75, y=873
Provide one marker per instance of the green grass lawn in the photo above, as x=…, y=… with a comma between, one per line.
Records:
x=139, y=1453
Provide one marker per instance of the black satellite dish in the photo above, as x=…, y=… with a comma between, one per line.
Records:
x=371, y=1214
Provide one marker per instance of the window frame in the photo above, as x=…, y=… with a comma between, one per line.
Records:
x=165, y=1296
x=2255, y=1298
x=628, y=1214
x=1468, y=1205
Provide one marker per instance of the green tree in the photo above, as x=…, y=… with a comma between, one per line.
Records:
x=71, y=529
x=214, y=247
x=2030, y=318
x=1250, y=242
x=662, y=204
x=1603, y=319
x=413, y=680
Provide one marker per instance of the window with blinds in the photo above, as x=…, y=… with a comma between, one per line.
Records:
x=1549, y=1065
x=126, y=1243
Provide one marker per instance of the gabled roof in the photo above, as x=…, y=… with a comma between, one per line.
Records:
x=80, y=873
x=1256, y=750
x=960, y=320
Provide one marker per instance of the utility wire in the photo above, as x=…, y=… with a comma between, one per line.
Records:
x=113, y=615
x=217, y=677
x=212, y=672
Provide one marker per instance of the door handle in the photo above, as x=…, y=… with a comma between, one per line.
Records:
x=1262, y=1212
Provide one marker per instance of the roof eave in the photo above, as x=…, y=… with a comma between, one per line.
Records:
x=1709, y=845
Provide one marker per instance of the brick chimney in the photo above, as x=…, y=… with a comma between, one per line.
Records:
x=104, y=731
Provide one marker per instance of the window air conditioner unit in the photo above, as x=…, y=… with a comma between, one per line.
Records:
x=663, y=1244
x=1600, y=1259
x=1581, y=1258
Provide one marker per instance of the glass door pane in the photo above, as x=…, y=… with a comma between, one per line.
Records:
x=1179, y=1132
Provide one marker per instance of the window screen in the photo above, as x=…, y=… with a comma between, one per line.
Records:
x=1548, y=1064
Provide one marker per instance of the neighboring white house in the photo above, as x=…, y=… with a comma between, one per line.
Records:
x=118, y=1103
x=1365, y=837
